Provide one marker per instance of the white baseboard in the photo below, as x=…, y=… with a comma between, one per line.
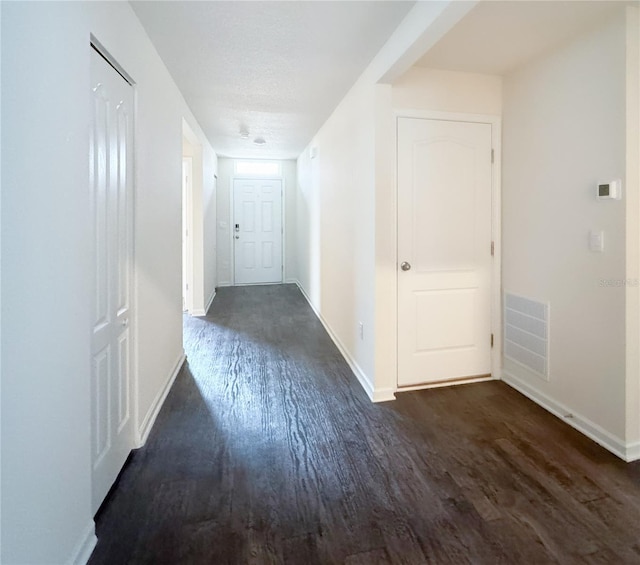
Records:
x=225, y=283
x=633, y=452
x=152, y=414
x=585, y=426
x=210, y=301
x=85, y=546
x=381, y=395
x=292, y=281
x=203, y=312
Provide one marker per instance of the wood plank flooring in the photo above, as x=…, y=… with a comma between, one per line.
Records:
x=268, y=451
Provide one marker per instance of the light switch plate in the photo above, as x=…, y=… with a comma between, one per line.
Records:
x=596, y=241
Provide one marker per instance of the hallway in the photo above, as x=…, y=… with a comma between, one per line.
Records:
x=267, y=450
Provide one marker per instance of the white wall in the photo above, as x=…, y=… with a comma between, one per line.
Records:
x=308, y=233
x=0, y=277
x=336, y=226
x=633, y=233
x=46, y=260
x=223, y=226
x=203, y=221
x=210, y=233
x=346, y=211
x=438, y=90
x=345, y=205
x=289, y=179
x=564, y=130
x=226, y=169
x=418, y=91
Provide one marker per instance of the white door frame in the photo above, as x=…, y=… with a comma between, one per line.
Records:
x=187, y=215
x=496, y=234
x=232, y=254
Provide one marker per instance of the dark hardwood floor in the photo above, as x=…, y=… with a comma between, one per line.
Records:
x=268, y=451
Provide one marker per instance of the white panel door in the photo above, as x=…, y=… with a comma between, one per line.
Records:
x=111, y=335
x=444, y=250
x=257, y=231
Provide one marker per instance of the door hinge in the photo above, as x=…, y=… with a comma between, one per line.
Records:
x=492, y=156
x=493, y=249
x=491, y=340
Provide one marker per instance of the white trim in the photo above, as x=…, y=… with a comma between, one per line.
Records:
x=374, y=395
x=187, y=225
x=198, y=312
x=85, y=546
x=152, y=414
x=383, y=395
x=447, y=116
x=590, y=429
x=232, y=253
x=225, y=283
x=453, y=382
x=633, y=452
x=283, y=232
x=496, y=215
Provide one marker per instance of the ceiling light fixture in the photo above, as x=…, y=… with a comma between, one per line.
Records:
x=244, y=132
x=259, y=141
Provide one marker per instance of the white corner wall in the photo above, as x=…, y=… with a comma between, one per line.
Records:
x=346, y=201
x=308, y=234
x=563, y=131
x=203, y=220
x=336, y=202
x=226, y=167
x=632, y=391
x=418, y=92
x=46, y=261
x=437, y=90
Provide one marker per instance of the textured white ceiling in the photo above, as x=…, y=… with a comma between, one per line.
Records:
x=497, y=37
x=277, y=69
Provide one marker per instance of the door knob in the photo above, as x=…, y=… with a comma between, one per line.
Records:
x=405, y=266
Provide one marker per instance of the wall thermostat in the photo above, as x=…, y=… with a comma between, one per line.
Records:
x=610, y=190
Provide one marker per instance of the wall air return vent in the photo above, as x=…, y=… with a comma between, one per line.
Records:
x=526, y=333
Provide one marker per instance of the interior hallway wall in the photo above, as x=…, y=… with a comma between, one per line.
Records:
x=419, y=92
x=46, y=260
x=336, y=202
x=225, y=233
x=346, y=205
x=203, y=221
x=564, y=132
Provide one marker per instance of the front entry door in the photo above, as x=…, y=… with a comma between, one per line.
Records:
x=444, y=250
x=111, y=335
x=257, y=231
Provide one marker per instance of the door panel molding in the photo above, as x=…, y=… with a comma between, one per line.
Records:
x=111, y=330
x=496, y=319
x=259, y=213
